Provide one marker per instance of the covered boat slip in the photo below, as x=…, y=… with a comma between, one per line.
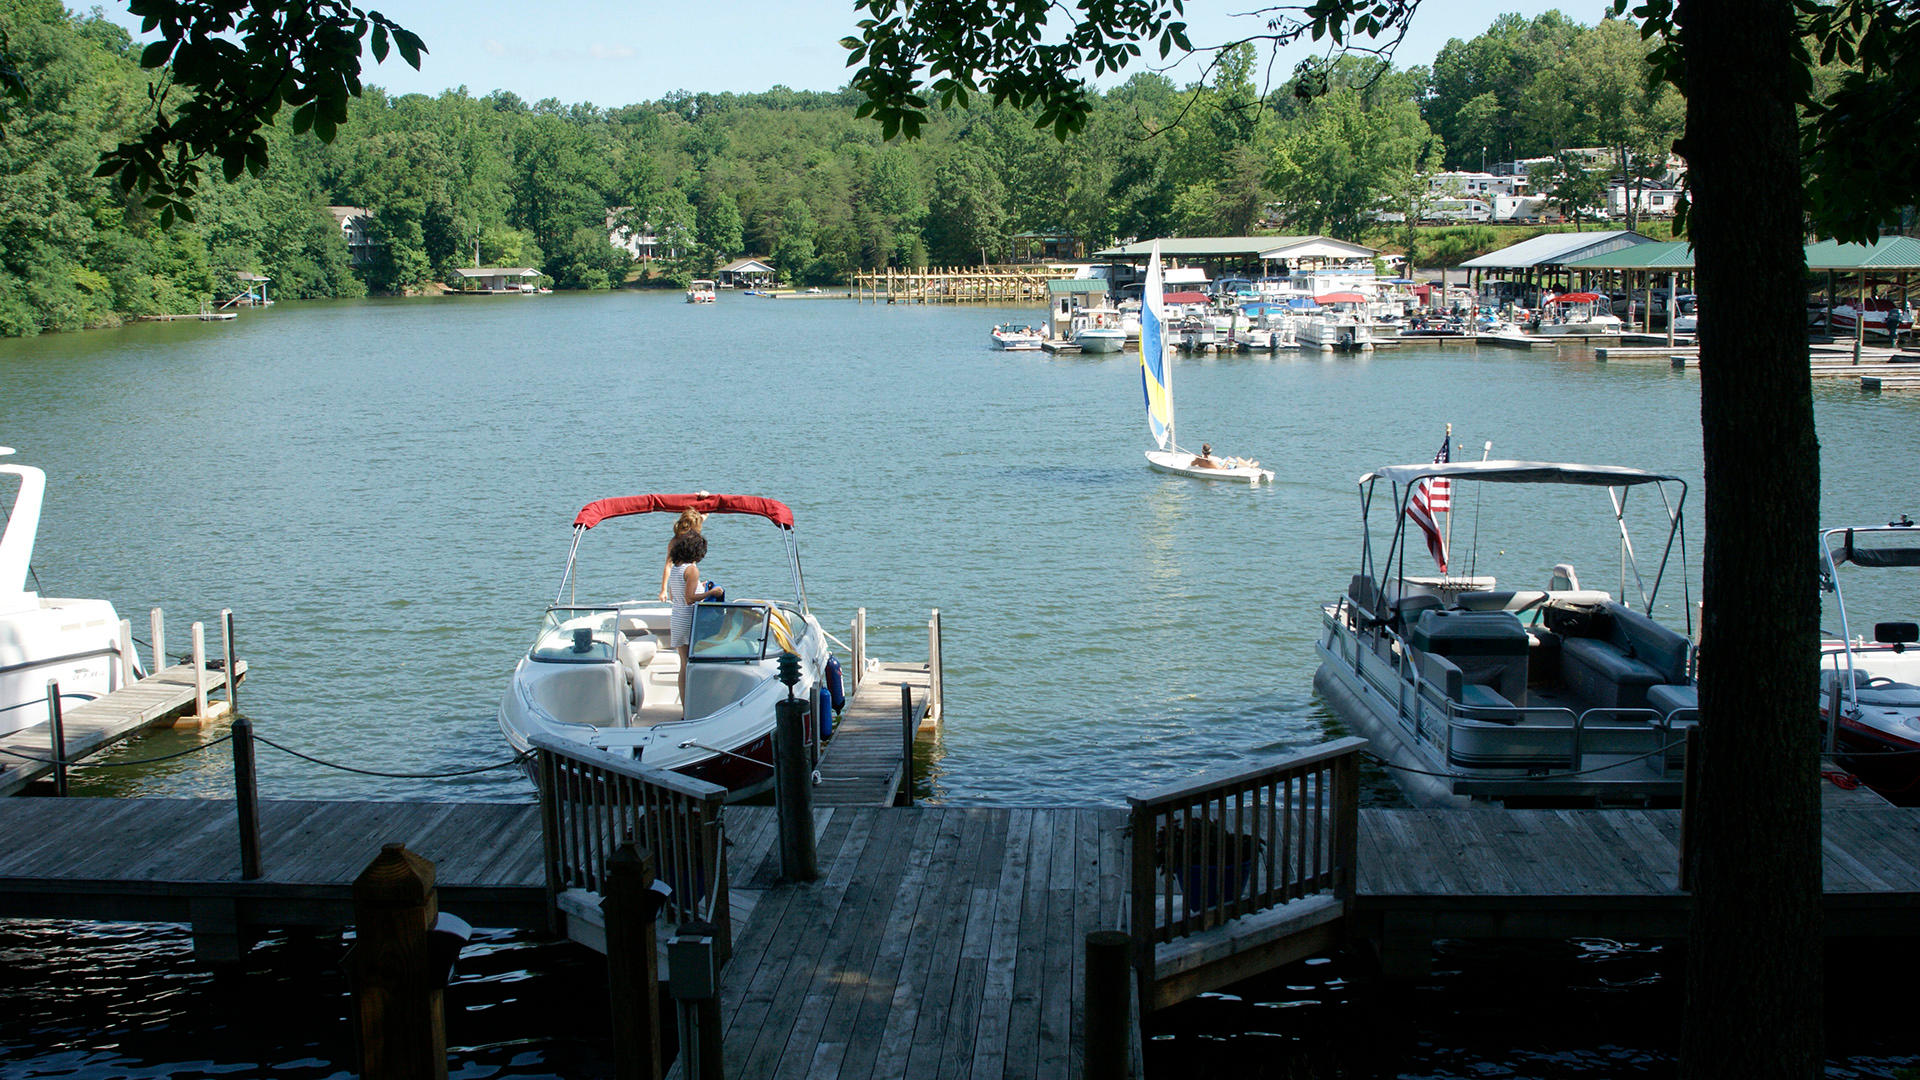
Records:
x=1553, y=694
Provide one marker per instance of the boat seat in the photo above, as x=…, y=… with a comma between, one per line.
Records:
x=1447, y=677
x=635, y=654
x=1621, y=658
x=1874, y=690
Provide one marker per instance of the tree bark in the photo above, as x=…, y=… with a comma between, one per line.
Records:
x=1753, y=989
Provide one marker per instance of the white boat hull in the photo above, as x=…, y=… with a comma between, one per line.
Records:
x=1100, y=340
x=1181, y=464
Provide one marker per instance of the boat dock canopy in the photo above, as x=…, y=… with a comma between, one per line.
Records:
x=1886, y=253
x=1669, y=255
x=1521, y=472
x=1074, y=286
x=1555, y=250
x=1247, y=248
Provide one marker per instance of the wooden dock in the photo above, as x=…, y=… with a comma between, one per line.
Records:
x=865, y=763
x=155, y=701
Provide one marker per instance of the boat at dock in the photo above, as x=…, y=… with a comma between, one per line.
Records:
x=1156, y=381
x=1016, y=337
x=1577, y=314
x=1339, y=323
x=604, y=674
x=1552, y=695
x=1870, y=689
x=1097, y=330
x=75, y=643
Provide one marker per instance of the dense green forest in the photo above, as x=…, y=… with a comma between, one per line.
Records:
x=789, y=175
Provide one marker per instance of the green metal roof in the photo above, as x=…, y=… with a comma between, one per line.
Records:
x=1226, y=247
x=1065, y=286
x=1660, y=255
x=1886, y=253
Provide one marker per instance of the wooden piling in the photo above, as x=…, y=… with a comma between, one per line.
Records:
x=693, y=973
x=908, y=728
x=633, y=967
x=246, y=798
x=1689, y=788
x=226, y=642
x=398, y=998
x=57, y=738
x=157, y=631
x=1108, y=1001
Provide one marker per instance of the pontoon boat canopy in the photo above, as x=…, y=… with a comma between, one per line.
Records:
x=1575, y=298
x=1340, y=298
x=1521, y=472
x=601, y=509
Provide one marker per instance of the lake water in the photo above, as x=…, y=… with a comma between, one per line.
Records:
x=382, y=492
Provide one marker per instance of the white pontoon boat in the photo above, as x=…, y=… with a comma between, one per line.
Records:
x=1874, y=683
x=1554, y=695
x=603, y=674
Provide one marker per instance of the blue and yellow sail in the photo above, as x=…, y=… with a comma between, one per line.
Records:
x=1156, y=375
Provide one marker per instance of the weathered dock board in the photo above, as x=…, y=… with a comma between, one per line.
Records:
x=101, y=723
x=940, y=941
x=862, y=764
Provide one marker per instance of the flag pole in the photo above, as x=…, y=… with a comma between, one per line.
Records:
x=1449, y=499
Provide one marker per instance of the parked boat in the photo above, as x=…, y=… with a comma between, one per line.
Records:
x=75, y=643
x=1688, y=319
x=1878, y=314
x=1016, y=337
x=1340, y=322
x=1576, y=314
x=1156, y=381
x=603, y=674
x=1473, y=690
x=701, y=292
x=1097, y=330
x=1874, y=684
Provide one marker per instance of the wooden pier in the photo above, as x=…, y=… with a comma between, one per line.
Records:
x=155, y=701
x=952, y=285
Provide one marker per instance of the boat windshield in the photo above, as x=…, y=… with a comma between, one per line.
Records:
x=723, y=632
x=576, y=635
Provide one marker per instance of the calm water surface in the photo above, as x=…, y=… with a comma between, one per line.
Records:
x=382, y=492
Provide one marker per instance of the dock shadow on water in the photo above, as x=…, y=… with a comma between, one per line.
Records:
x=1554, y=1010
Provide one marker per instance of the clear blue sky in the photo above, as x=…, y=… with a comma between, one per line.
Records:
x=638, y=50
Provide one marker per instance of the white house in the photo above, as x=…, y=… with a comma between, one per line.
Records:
x=355, y=223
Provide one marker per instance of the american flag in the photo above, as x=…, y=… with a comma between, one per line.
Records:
x=1433, y=494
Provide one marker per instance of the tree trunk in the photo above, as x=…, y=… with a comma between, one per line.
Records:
x=1753, y=995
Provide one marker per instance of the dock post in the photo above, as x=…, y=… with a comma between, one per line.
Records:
x=126, y=652
x=199, y=673
x=398, y=1000
x=56, y=738
x=693, y=974
x=1108, y=1001
x=246, y=798
x=904, y=796
x=793, y=791
x=157, y=631
x=633, y=968
x=936, y=673
x=1689, y=787
x=859, y=650
x=233, y=679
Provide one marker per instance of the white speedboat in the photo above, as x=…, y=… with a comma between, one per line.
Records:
x=604, y=675
x=1016, y=337
x=1156, y=382
x=701, y=292
x=1097, y=330
x=1875, y=683
x=1880, y=314
x=1577, y=314
x=1688, y=319
x=75, y=643
x=1549, y=695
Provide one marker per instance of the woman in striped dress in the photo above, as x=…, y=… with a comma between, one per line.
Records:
x=683, y=585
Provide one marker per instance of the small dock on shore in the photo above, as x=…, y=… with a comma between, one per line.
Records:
x=158, y=700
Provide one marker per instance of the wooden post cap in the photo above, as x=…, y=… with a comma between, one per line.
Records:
x=395, y=878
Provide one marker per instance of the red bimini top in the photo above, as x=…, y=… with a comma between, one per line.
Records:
x=1575, y=298
x=1340, y=298
x=601, y=509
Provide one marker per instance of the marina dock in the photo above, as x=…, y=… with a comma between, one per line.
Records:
x=155, y=701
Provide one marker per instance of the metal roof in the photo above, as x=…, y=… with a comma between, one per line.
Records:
x=1243, y=247
x=1886, y=253
x=498, y=271
x=1522, y=472
x=746, y=265
x=1059, y=286
x=1659, y=255
x=1555, y=249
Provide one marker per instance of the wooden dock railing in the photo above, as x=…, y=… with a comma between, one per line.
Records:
x=1230, y=845
x=591, y=803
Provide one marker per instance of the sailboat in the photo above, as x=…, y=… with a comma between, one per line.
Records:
x=1156, y=380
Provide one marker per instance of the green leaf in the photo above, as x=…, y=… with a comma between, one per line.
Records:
x=379, y=43
x=303, y=119
x=410, y=46
x=156, y=53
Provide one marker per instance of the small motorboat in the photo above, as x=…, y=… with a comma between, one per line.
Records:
x=1870, y=689
x=75, y=643
x=1098, y=330
x=1016, y=337
x=1576, y=314
x=701, y=292
x=603, y=675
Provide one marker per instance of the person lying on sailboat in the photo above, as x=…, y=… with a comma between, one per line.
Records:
x=1206, y=460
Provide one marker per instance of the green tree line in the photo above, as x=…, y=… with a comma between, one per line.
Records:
x=798, y=177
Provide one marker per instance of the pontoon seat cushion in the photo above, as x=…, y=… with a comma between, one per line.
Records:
x=1446, y=675
x=1673, y=701
x=1614, y=669
x=1489, y=647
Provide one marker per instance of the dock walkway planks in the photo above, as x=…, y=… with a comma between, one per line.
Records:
x=861, y=765
x=102, y=722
